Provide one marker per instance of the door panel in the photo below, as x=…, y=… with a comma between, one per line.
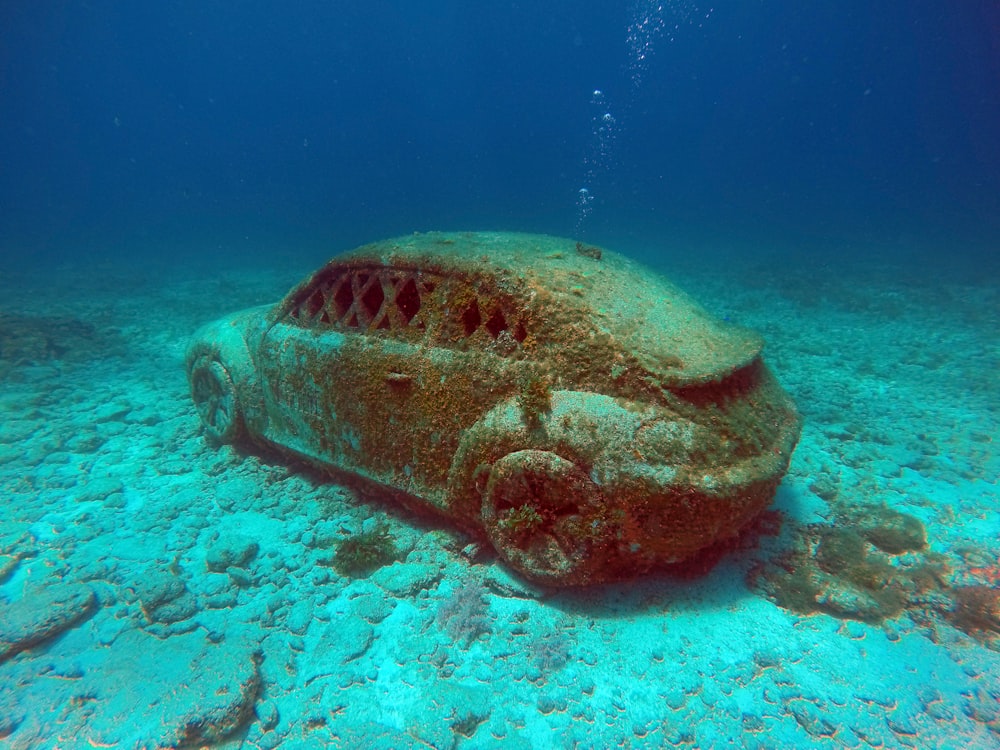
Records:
x=391, y=411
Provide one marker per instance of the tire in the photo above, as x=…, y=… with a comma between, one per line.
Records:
x=545, y=517
x=216, y=400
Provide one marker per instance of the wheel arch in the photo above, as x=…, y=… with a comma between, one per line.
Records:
x=581, y=427
x=229, y=343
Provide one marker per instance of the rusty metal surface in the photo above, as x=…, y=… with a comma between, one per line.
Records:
x=580, y=411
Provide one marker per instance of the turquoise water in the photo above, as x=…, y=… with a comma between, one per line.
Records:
x=829, y=179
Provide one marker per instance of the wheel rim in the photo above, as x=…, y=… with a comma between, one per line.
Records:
x=545, y=517
x=215, y=399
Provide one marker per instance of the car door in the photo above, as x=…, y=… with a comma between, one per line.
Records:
x=379, y=370
x=291, y=358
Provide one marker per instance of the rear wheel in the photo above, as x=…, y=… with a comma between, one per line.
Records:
x=215, y=398
x=545, y=517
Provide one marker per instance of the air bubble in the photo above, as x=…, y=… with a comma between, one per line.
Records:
x=599, y=157
x=584, y=207
x=649, y=23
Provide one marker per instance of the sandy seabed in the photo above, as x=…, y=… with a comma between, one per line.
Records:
x=156, y=592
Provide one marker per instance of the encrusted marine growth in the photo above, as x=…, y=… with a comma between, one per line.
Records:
x=578, y=410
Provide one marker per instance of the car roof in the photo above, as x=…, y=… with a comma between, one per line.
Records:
x=659, y=324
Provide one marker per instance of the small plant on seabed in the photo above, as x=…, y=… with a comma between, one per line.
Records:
x=362, y=554
x=551, y=652
x=465, y=614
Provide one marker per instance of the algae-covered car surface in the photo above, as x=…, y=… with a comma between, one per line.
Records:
x=580, y=411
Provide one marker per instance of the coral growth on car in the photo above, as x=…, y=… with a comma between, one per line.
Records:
x=578, y=410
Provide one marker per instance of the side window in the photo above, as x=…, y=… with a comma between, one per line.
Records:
x=369, y=299
x=411, y=305
x=477, y=320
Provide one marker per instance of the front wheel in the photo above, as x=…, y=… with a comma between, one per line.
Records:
x=216, y=400
x=545, y=517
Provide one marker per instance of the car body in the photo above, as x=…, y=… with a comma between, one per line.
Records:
x=572, y=406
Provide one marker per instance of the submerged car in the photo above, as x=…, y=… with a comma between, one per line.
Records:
x=578, y=410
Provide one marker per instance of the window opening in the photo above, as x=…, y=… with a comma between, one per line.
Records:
x=497, y=324
x=360, y=286
x=373, y=297
x=343, y=297
x=471, y=318
x=408, y=300
x=314, y=304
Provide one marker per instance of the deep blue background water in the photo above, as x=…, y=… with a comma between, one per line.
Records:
x=259, y=128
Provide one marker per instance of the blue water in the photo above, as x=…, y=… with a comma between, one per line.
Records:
x=826, y=173
x=837, y=126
